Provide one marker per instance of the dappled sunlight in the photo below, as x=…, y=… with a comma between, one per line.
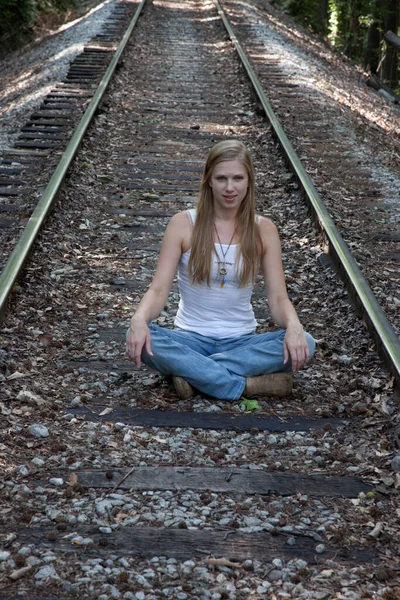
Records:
x=371, y=112
x=179, y=5
x=26, y=98
x=85, y=16
x=33, y=71
x=18, y=93
x=358, y=98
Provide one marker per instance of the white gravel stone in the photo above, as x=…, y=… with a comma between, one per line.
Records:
x=265, y=585
x=277, y=563
x=23, y=470
x=396, y=464
x=57, y=481
x=47, y=572
x=301, y=564
x=38, y=431
x=107, y=530
x=4, y=555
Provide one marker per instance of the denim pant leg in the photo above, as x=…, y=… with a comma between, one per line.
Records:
x=256, y=354
x=186, y=354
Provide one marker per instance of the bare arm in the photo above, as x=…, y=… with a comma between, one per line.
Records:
x=152, y=303
x=282, y=310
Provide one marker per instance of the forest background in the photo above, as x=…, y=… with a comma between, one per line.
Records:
x=364, y=30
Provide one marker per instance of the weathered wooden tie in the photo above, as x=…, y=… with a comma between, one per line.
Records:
x=232, y=480
x=184, y=544
x=205, y=420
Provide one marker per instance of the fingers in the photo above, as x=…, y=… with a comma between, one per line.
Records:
x=134, y=348
x=286, y=354
x=137, y=356
x=134, y=353
x=148, y=345
x=299, y=355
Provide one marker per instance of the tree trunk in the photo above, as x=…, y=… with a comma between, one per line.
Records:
x=372, y=51
x=354, y=41
x=392, y=39
x=389, y=65
x=322, y=16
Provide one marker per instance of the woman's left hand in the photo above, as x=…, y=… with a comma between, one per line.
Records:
x=295, y=347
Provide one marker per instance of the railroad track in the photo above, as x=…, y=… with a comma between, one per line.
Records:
x=148, y=497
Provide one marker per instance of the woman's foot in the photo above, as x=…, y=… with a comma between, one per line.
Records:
x=182, y=388
x=275, y=384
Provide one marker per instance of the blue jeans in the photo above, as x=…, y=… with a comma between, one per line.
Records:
x=217, y=367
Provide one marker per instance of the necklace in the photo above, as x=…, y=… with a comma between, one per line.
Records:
x=222, y=264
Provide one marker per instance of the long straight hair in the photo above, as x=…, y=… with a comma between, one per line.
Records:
x=251, y=246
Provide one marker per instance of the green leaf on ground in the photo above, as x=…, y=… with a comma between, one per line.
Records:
x=249, y=404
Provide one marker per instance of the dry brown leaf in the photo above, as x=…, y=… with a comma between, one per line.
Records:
x=27, y=395
x=377, y=530
x=16, y=375
x=222, y=562
x=120, y=517
x=73, y=479
x=45, y=339
x=20, y=572
x=3, y=409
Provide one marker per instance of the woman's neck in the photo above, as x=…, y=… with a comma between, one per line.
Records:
x=225, y=230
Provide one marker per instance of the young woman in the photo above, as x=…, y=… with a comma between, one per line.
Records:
x=218, y=249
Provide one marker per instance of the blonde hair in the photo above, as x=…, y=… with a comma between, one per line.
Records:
x=250, y=245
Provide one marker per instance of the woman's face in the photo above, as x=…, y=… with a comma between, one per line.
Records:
x=229, y=182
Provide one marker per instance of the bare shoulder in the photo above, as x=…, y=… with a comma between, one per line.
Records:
x=268, y=229
x=179, y=222
x=179, y=229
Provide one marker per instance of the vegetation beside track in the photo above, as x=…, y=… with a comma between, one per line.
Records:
x=356, y=28
x=22, y=20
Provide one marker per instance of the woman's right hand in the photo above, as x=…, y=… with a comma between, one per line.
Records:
x=138, y=337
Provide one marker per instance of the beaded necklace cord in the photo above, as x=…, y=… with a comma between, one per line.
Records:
x=222, y=264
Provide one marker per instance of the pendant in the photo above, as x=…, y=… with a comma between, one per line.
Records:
x=223, y=282
x=222, y=269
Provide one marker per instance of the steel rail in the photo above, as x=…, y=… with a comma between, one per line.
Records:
x=19, y=255
x=387, y=342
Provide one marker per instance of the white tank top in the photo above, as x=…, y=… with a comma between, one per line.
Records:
x=214, y=311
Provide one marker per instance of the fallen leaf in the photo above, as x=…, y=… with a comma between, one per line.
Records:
x=106, y=411
x=222, y=562
x=377, y=530
x=73, y=479
x=120, y=517
x=249, y=404
x=16, y=375
x=4, y=410
x=20, y=572
x=27, y=395
x=45, y=339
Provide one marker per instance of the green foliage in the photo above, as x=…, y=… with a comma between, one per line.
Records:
x=356, y=28
x=59, y=5
x=18, y=17
x=306, y=11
